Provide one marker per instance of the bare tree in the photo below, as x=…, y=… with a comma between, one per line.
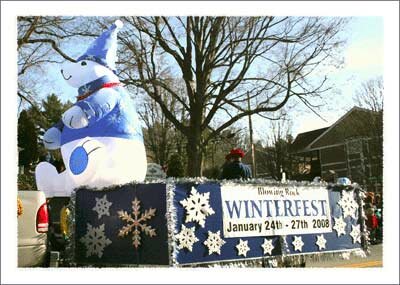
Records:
x=160, y=137
x=370, y=122
x=39, y=42
x=370, y=95
x=368, y=125
x=220, y=59
x=278, y=140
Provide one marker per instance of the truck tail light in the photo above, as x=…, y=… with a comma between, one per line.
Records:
x=42, y=219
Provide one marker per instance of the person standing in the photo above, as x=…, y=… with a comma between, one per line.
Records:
x=372, y=221
x=225, y=165
x=379, y=216
x=236, y=169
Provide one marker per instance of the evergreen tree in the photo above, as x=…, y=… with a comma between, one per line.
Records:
x=175, y=166
x=53, y=108
x=27, y=140
x=39, y=120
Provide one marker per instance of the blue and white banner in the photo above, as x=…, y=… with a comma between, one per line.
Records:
x=199, y=234
x=329, y=221
x=258, y=210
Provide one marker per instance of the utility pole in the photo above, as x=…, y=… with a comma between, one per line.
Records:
x=253, y=160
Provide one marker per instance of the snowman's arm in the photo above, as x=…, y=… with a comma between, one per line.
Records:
x=52, y=137
x=97, y=106
x=59, y=125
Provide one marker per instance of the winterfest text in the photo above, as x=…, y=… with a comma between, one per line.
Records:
x=263, y=211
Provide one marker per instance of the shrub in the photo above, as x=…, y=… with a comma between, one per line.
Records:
x=26, y=182
x=175, y=166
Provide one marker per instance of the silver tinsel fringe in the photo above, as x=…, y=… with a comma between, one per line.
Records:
x=360, y=196
x=171, y=223
x=254, y=181
x=284, y=246
x=336, y=255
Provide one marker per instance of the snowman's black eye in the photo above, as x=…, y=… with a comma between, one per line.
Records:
x=83, y=63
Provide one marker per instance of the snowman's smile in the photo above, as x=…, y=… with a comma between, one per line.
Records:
x=62, y=72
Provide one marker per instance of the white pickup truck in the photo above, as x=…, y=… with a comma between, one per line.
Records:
x=33, y=223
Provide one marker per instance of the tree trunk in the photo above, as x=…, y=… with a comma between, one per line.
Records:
x=194, y=153
x=195, y=147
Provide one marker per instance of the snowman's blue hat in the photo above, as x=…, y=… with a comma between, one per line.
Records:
x=104, y=49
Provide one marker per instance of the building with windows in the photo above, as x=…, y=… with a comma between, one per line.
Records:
x=351, y=147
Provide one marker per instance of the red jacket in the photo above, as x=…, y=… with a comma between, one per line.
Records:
x=372, y=221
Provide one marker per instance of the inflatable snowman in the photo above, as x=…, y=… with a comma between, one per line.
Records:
x=100, y=135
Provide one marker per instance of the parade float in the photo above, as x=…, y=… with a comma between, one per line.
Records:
x=118, y=219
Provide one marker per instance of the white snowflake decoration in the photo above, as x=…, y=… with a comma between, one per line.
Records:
x=355, y=233
x=321, y=242
x=348, y=204
x=85, y=90
x=91, y=57
x=267, y=246
x=95, y=240
x=186, y=238
x=243, y=247
x=197, y=207
x=114, y=119
x=136, y=223
x=298, y=243
x=340, y=226
x=102, y=207
x=214, y=242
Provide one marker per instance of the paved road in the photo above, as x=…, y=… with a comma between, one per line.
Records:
x=373, y=260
